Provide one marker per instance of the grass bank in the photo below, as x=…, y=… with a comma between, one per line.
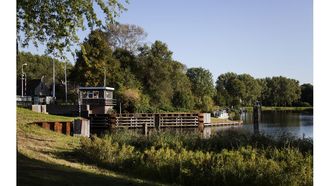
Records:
x=268, y=108
x=47, y=158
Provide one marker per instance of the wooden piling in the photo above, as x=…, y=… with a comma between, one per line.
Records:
x=145, y=129
x=157, y=125
x=45, y=125
x=58, y=127
x=201, y=122
x=256, y=117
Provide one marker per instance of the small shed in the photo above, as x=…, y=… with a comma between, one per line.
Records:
x=98, y=99
x=221, y=114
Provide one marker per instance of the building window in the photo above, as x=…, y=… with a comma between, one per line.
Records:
x=108, y=95
x=95, y=94
x=83, y=94
x=90, y=94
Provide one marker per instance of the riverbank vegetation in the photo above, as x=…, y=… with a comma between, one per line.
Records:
x=227, y=158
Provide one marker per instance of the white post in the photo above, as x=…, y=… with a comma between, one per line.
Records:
x=23, y=79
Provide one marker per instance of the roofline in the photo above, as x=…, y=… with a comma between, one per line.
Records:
x=96, y=88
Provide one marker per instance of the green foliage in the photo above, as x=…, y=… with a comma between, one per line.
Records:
x=40, y=66
x=252, y=89
x=55, y=23
x=183, y=100
x=279, y=91
x=154, y=62
x=306, y=94
x=94, y=59
x=202, y=87
x=229, y=158
x=234, y=90
x=163, y=79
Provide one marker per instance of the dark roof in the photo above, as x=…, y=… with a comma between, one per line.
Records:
x=31, y=85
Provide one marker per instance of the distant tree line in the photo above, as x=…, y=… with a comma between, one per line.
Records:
x=147, y=78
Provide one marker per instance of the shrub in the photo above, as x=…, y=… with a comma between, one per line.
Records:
x=228, y=158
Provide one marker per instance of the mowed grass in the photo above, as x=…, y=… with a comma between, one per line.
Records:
x=47, y=158
x=220, y=120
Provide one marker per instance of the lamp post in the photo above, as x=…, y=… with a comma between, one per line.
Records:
x=66, y=84
x=23, y=79
x=53, y=80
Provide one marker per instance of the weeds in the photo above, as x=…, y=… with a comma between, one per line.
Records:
x=228, y=158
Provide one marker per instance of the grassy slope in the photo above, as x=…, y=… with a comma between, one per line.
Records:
x=45, y=157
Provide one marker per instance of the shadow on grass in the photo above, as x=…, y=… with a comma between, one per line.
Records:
x=77, y=156
x=35, y=172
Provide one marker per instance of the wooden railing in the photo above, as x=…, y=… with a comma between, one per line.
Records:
x=162, y=120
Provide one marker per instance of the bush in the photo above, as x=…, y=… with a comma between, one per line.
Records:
x=228, y=158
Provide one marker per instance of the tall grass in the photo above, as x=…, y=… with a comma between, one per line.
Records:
x=227, y=158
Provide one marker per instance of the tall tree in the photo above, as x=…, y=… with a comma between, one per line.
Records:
x=155, y=73
x=307, y=93
x=94, y=61
x=55, y=22
x=252, y=89
x=202, y=87
x=230, y=90
x=280, y=91
x=182, y=96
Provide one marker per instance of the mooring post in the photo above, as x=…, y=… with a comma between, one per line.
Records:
x=201, y=123
x=145, y=129
x=157, y=122
x=256, y=117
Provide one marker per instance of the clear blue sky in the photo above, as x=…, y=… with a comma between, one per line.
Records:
x=263, y=38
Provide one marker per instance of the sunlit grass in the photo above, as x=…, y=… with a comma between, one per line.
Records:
x=48, y=158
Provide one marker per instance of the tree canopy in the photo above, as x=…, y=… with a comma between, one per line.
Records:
x=307, y=93
x=147, y=78
x=55, y=23
x=202, y=87
x=40, y=66
x=279, y=91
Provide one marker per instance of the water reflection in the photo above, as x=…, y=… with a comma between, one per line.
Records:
x=275, y=123
x=272, y=123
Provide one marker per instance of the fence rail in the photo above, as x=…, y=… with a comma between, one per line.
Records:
x=137, y=120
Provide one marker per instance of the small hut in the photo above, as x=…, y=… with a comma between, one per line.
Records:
x=99, y=100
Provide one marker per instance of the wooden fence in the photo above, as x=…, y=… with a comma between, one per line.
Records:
x=161, y=120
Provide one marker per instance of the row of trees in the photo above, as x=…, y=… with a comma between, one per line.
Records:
x=233, y=89
x=148, y=79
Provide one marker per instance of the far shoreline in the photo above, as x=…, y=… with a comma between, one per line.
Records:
x=272, y=108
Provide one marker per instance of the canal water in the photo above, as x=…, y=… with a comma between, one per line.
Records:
x=275, y=123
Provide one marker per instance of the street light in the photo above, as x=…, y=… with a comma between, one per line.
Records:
x=25, y=64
